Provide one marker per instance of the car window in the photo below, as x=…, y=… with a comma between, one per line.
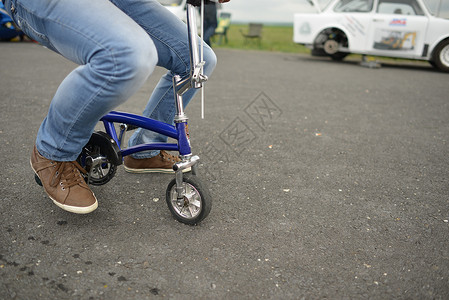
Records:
x=438, y=8
x=400, y=7
x=354, y=6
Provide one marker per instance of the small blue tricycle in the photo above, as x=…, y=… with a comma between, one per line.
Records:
x=187, y=198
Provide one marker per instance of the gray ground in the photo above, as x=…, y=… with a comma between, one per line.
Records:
x=329, y=180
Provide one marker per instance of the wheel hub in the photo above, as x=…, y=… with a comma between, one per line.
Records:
x=331, y=46
x=189, y=205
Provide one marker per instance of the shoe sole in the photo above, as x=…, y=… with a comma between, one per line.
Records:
x=75, y=209
x=72, y=209
x=145, y=171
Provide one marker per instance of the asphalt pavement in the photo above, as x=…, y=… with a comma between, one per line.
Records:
x=329, y=181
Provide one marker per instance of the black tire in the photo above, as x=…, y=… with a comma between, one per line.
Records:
x=102, y=174
x=100, y=145
x=318, y=52
x=193, y=210
x=38, y=180
x=328, y=42
x=441, y=56
x=338, y=56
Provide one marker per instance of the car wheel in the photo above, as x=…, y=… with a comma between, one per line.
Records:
x=441, y=56
x=339, y=55
x=330, y=41
x=317, y=52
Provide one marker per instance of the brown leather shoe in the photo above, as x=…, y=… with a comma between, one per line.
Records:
x=64, y=184
x=161, y=163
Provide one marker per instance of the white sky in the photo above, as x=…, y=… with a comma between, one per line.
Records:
x=264, y=10
x=280, y=10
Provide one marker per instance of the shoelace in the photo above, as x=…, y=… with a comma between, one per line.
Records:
x=66, y=174
x=167, y=156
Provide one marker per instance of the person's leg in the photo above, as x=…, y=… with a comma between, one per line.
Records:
x=170, y=38
x=210, y=21
x=116, y=57
x=209, y=31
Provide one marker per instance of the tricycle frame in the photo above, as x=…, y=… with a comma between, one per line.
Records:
x=186, y=196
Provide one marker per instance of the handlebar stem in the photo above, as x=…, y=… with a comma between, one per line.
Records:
x=196, y=78
x=193, y=44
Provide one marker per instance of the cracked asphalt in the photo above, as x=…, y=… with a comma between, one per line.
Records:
x=329, y=181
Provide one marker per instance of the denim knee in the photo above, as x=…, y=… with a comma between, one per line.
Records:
x=211, y=60
x=127, y=66
x=137, y=62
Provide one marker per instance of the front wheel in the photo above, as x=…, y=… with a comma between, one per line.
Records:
x=195, y=204
x=441, y=56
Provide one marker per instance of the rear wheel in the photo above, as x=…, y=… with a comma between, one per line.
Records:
x=100, y=158
x=441, y=56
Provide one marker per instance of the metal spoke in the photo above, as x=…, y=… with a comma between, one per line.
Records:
x=195, y=203
x=192, y=212
x=191, y=195
x=99, y=171
x=181, y=212
x=193, y=206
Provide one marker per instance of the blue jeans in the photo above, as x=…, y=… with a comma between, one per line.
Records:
x=117, y=44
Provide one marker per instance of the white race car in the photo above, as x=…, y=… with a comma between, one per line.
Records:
x=391, y=28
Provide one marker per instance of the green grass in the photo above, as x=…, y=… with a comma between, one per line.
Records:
x=274, y=38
